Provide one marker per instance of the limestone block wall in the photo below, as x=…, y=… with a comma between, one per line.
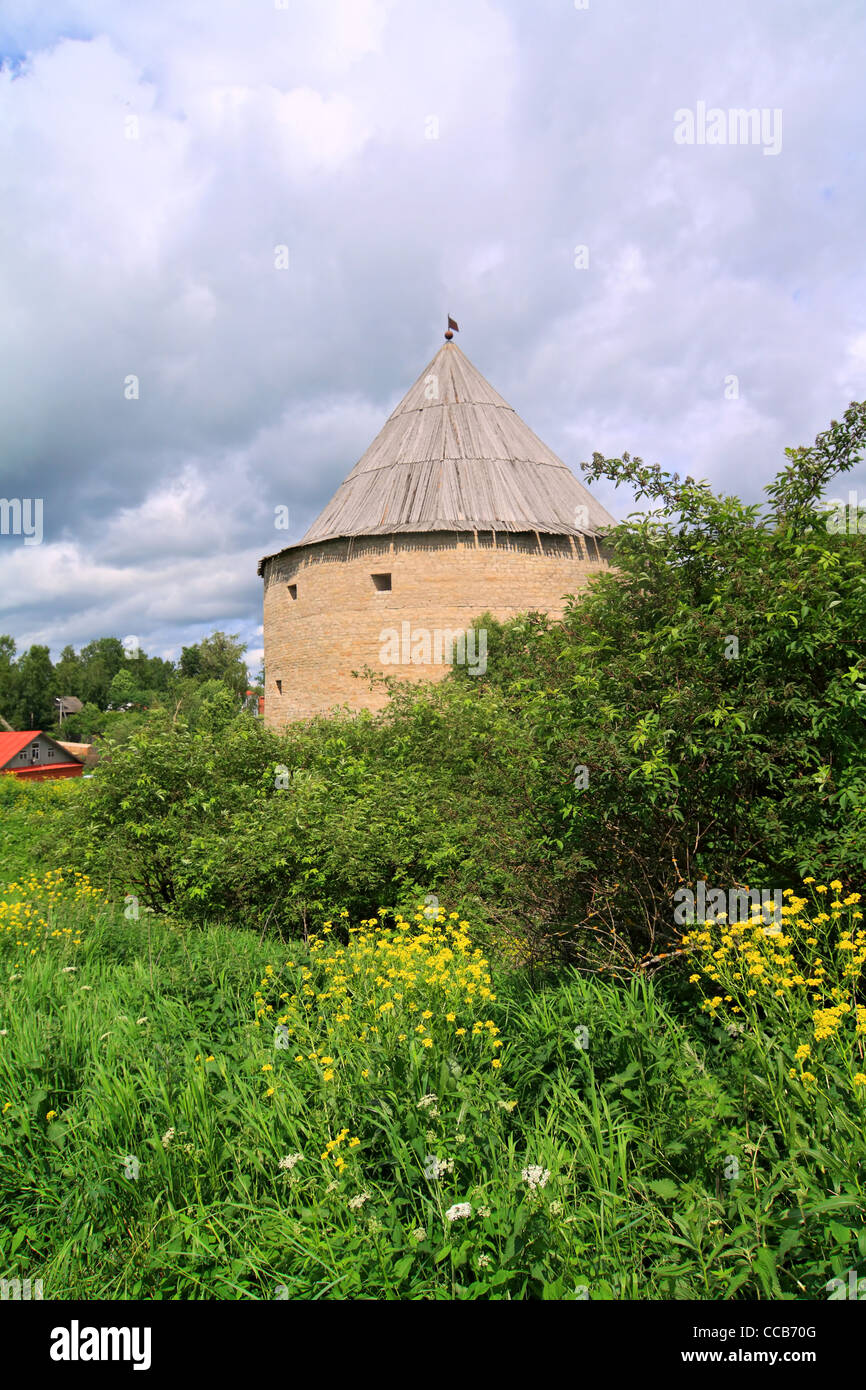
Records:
x=324, y=615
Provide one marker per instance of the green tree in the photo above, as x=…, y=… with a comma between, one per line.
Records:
x=218, y=657
x=8, y=679
x=125, y=688
x=156, y=674
x=84, y=726
x=36, y=690
x=190, y=662
x=101, y=660
x=69, y=673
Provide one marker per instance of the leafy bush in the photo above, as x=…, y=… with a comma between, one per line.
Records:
x=697, y=715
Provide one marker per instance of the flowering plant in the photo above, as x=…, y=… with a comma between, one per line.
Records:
x=795, y=980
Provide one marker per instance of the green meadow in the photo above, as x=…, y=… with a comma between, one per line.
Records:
x=164, y=1136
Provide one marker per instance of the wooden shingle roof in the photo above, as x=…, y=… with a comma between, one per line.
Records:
x=454, y=456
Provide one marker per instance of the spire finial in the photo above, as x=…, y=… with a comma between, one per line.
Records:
x=451, y=324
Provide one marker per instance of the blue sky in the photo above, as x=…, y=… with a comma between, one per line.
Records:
x=415, y=160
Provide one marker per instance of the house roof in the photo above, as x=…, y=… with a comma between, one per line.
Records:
x=70, y=704
x=454, y=456
x=12, y=744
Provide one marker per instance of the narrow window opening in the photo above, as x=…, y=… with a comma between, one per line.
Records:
x=381, y=583
x=293, y=591
x=279, y=685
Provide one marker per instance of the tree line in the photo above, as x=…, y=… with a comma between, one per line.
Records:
x=119, y=685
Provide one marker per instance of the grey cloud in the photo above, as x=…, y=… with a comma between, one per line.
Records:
x=307, y=128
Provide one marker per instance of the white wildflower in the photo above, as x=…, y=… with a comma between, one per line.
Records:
x=69, y=970
x=536, y=1177
x=435, y=1168
x=289, y=1161
x=555, y=1208
x=483, y=1261
x=458, y=1211
x=167, y=1137
x=419, y=1233
x=356, y=1202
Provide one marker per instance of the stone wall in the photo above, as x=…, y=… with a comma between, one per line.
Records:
x=324, y=615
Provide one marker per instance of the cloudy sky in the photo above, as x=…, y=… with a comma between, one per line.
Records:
x=414, y=159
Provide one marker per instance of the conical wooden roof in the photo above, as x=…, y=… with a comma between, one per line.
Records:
x=454, y=456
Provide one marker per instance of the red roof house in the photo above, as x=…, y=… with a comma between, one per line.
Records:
x=36, y=757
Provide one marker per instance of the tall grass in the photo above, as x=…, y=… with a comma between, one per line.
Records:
x=159, y=1139
x=33, y=821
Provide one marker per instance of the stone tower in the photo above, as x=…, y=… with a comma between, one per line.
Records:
x=456, y=509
